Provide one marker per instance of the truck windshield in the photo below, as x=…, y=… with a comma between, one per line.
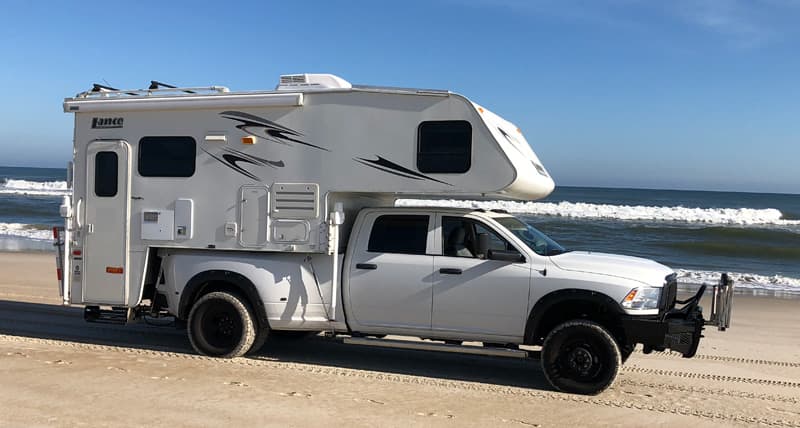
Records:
x=537, y=241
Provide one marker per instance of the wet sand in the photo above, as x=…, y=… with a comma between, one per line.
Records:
x=57, y=370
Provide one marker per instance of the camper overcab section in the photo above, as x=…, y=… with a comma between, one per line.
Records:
x=241, y=213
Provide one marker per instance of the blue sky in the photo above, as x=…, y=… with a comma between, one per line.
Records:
x=624, y=93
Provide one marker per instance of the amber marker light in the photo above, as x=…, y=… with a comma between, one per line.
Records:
x=111, y=269
x=248, y=140
x=632, y=295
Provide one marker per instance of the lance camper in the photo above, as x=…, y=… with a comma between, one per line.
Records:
x=246, y=213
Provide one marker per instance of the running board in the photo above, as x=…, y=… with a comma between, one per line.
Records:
x=441, y=347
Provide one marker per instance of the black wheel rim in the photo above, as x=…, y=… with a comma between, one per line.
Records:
x=221, y=327
x=580, y=361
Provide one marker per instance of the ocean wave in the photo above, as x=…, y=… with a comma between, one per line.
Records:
x=741, y=280
x=11, y=186
x=582, y=210
x=29, y=231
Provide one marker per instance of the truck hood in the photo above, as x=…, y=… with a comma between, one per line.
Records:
x=633, y=268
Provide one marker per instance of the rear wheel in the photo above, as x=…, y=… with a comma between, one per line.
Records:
x=580, y=357
x=221, y=325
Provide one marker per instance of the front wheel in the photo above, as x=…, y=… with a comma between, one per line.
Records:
x=221, y=325
x=580, y=357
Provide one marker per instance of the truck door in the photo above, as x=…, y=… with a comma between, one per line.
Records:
x=390, y=271
x=106, y=225
x=472, y=294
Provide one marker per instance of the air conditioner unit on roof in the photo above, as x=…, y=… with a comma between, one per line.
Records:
x=293, y=82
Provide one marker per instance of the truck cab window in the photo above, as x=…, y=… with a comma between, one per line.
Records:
x=404, y=234
x=460, y=238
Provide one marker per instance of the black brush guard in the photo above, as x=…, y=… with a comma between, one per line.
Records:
x=680, y=329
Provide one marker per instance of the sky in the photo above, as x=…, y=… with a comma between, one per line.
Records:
x=677, y=94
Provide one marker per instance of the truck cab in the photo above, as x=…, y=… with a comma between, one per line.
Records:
x=476, y=275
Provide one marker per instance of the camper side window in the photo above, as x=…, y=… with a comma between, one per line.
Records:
x=404, y=234
x=105, y=174
x=167, y=156
x=444, y=146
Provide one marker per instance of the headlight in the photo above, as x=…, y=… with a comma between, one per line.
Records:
x=642, y=298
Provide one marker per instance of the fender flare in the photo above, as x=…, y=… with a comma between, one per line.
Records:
x=195, y=287
x=541, y=308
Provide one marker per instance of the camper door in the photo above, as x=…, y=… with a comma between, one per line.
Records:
x=107, y=223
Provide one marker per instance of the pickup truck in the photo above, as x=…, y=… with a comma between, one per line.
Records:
x=447, y=276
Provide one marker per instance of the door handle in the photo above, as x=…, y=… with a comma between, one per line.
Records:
x=450, y=271
x=368, y=266
x=89, y=228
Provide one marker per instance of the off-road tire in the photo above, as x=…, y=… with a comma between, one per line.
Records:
x=580, y=357
x=263, y=334
x=222, y=325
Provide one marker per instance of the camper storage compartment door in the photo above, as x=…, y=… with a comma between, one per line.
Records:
x=253, y=210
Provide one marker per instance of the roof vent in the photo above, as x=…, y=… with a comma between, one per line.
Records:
x=295, y=82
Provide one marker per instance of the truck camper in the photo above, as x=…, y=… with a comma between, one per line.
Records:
x=245, y=213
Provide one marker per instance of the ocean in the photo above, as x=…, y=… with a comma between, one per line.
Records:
x=753, y=236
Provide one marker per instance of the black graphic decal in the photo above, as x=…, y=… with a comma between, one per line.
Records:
x=260, y=127
x=393, y=168
x=514, y=142
x=231, y=158
x=256, y=160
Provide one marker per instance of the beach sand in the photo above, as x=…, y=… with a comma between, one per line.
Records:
x=56, y=370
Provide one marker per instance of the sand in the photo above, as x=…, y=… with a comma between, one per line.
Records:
x=56, y=370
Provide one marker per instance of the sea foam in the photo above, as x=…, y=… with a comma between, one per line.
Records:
x=25, y=231
x=12, y=186
x=741, y=280
x=582, y=210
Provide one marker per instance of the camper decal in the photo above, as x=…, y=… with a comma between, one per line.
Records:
x=514, y=143
x=393, y=168
x=231, y=158
x=107, y=122
x=260, y=127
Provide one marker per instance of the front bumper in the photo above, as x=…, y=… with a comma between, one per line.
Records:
x=680, y=329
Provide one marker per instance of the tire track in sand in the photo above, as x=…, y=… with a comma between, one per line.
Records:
x=669, y=354
x=709, y=376
x=424, y=381
x=708, y=391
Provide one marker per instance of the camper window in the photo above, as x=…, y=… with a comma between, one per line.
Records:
x=105, y=174
x=404, y=234
x=167, y=156
x=444, y=146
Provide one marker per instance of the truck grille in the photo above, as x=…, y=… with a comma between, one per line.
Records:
x=669, y=293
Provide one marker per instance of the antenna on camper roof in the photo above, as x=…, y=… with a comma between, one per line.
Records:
x=96, y=87
x=155, y=84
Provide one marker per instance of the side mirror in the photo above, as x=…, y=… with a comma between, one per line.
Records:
x=506, y=256
x=483, y=245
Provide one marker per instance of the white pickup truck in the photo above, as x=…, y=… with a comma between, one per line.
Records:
x=447, y=276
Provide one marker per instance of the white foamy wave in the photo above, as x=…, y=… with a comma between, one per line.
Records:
x=734, y=216
x=741, y=280
x=25, y=231
x=36, y=188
